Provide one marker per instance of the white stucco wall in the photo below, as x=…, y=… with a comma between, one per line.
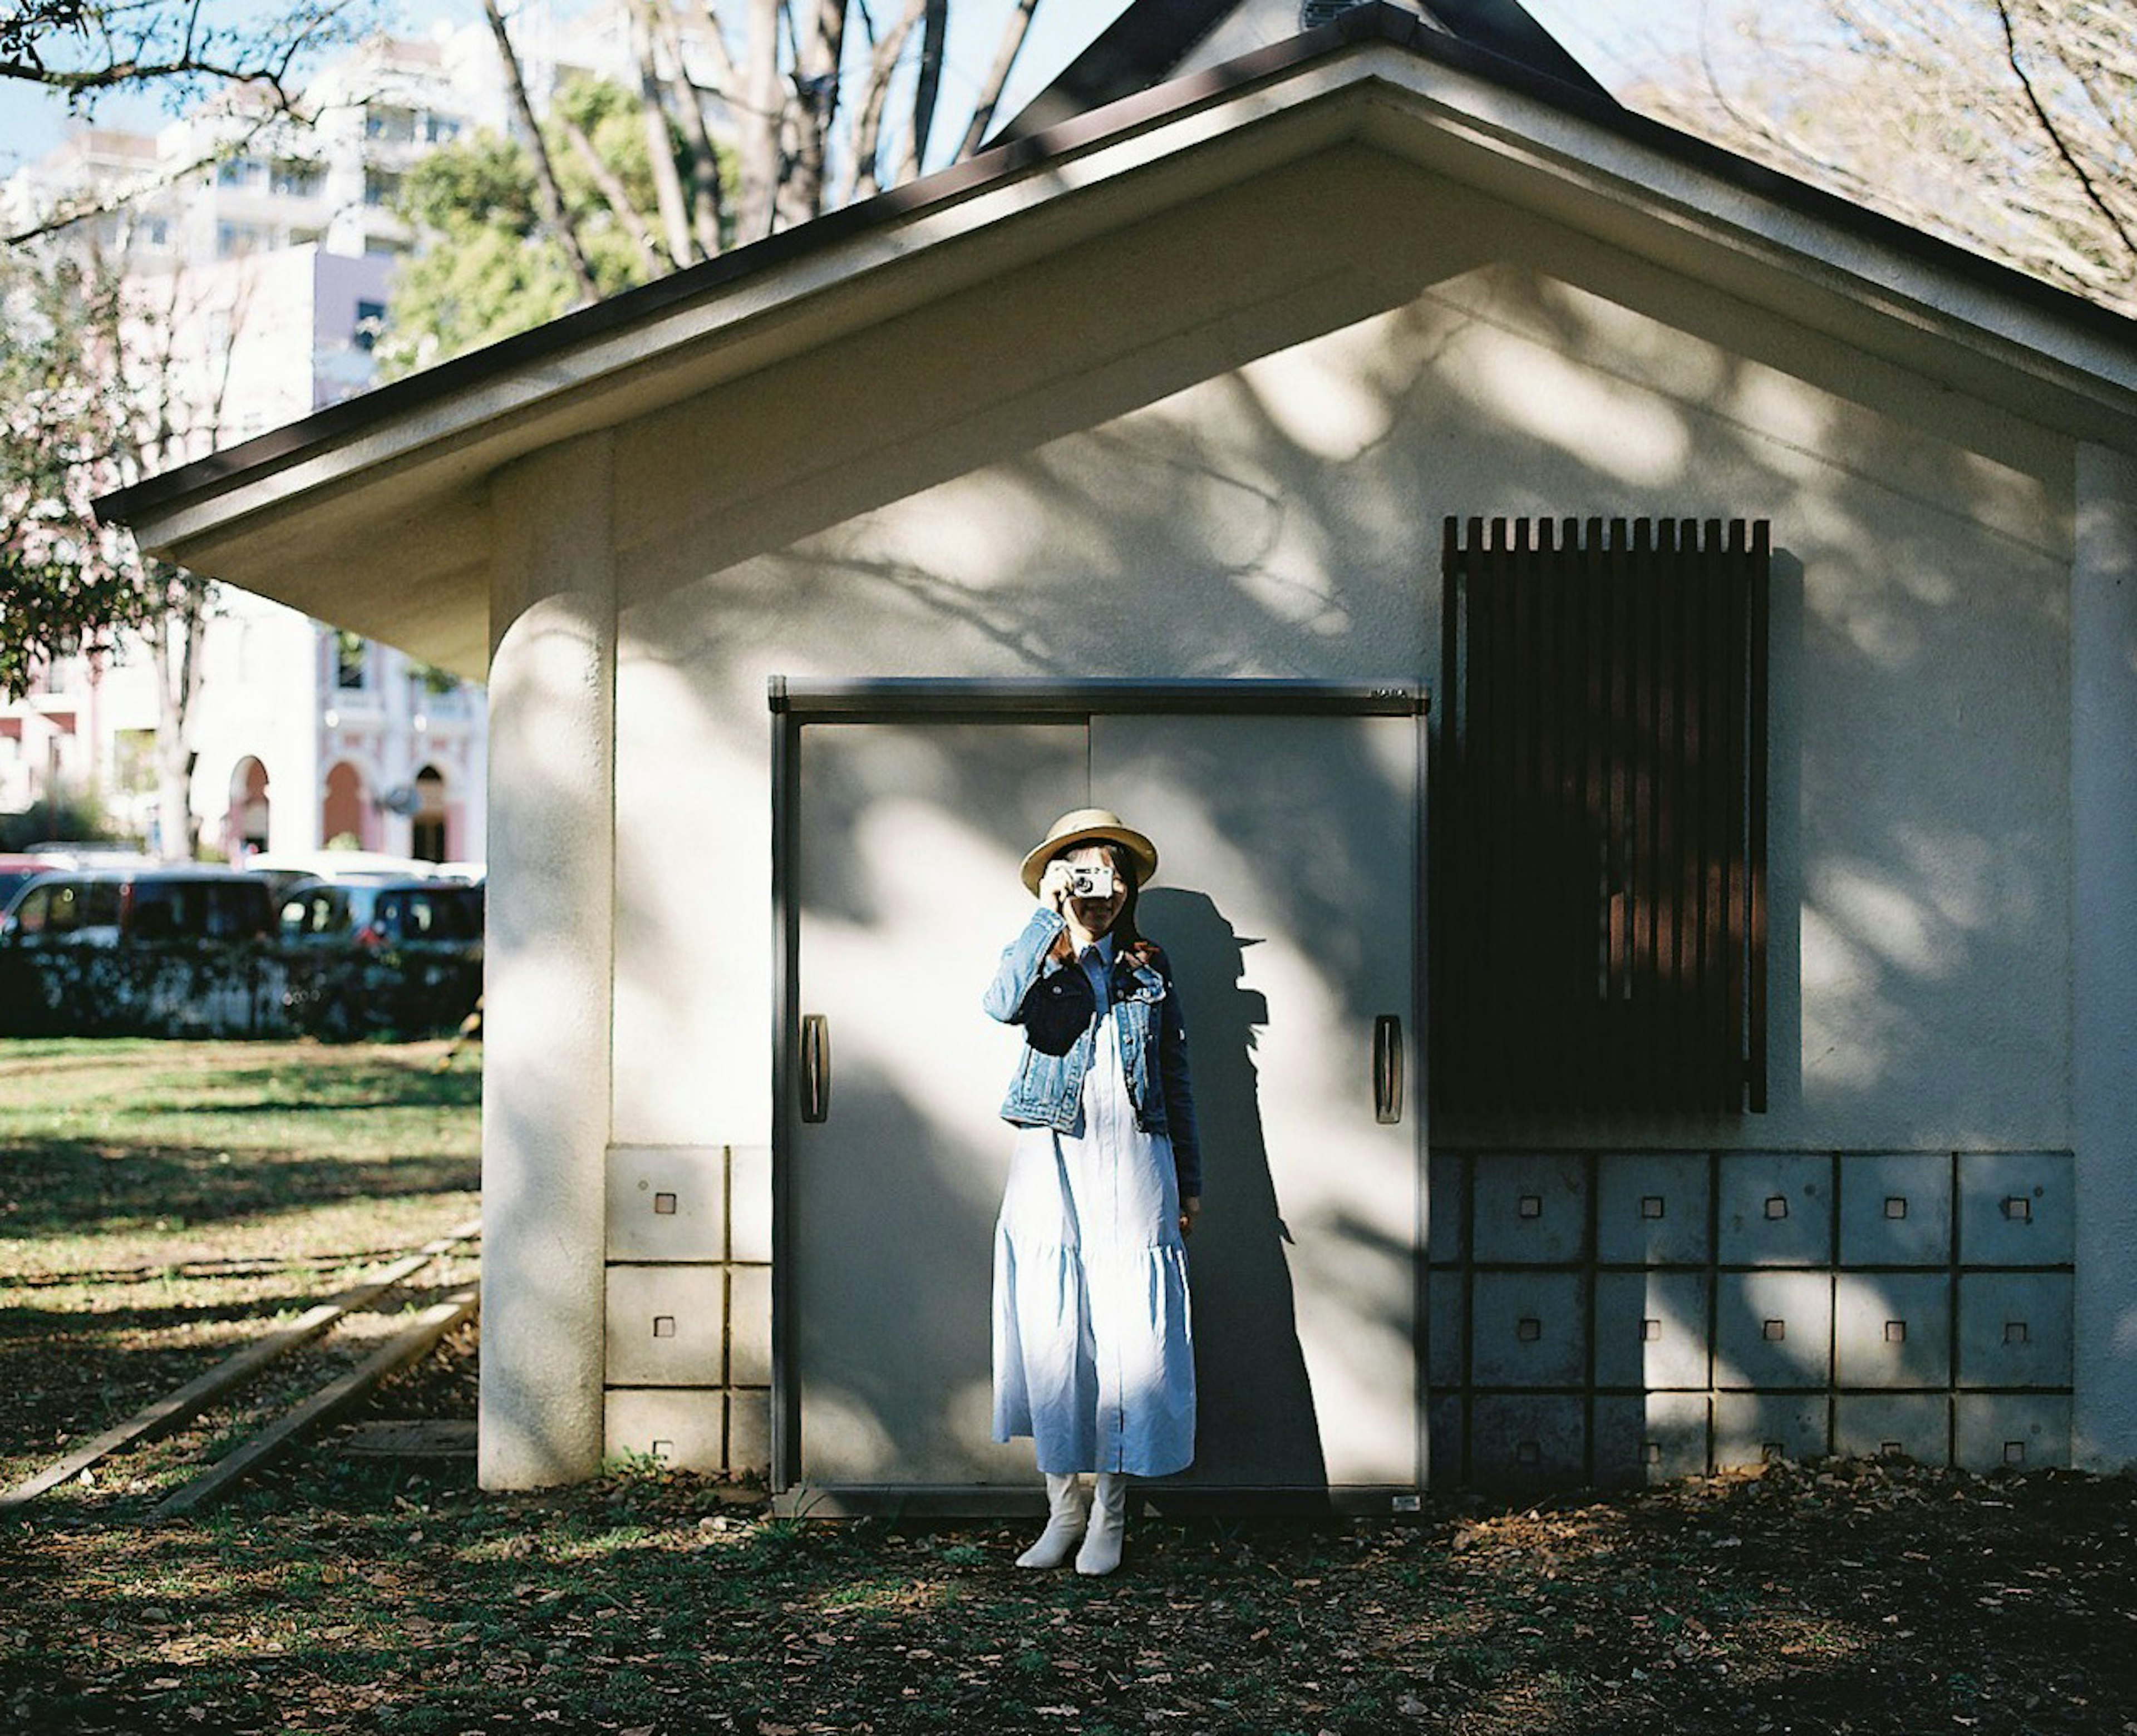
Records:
x=1224, y=446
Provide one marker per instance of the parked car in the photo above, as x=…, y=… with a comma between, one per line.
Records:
x=377, y=915
x=284, y=868
x=106, y=906
x=161, y=951
x=375, y=956
x=17, y=871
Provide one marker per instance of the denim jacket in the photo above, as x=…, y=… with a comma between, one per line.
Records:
x=1047, y=1089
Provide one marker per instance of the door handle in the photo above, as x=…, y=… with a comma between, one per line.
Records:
x=815, y=1067
x=1387, y=1069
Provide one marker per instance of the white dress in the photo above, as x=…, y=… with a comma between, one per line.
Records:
x=1093, y=1347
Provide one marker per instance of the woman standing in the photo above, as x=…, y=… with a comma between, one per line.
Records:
x=1093, y=1346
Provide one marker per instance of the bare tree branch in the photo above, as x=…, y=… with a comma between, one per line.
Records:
x=554, y=215
x=617, y=194
x=1014, y=28
x=2055, y=134
x=926, y=88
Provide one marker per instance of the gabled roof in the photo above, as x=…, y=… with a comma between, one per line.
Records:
x=1147, y=44
x=369, y=513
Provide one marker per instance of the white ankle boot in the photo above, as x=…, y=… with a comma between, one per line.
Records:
x=1101, y=1553
x=1067, y=1511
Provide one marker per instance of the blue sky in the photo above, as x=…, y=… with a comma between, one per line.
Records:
x=1612, y=37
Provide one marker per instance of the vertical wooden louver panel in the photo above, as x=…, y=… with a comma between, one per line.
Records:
x=1599, y=876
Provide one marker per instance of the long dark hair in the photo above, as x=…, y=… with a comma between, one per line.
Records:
x=1128, y=939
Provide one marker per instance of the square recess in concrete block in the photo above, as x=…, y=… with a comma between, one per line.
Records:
x=1446, y=1327
x=1651, y=1329
x=1874, y=1425
x=1651, y=1210
x=667, y=1203
x=2012, y=1430
x=1447, y=1206
x=1650, y=1438
x=1753, y=1428
x=2015, y=1209
x=1529, y=1208
x=1529, y=1328
x=2014, y=1328
x=1891, y=1329
x=1895, y=1210
x=681, y=1427
x=1776, y=1208
x=1773, y=1329
x=667, y=1326
x=1520, y=1441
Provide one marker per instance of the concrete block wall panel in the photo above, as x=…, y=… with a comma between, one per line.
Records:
x=2010, y=1431
x=689, y=1302
x=749, y=1327
x=2014, y=1328
x=683, y=1427
x=667, y=1203
x=1916, y=1426
x=2016, y=1209
x=1520, y=1442
x=1756, y=1428
x=1528, y=1329
x=1773, y=1330
x=749, y=1204
x=1651, y=1330
x=1447, y=1328
x=1445, y=1462
x=1891, y=1329
x=1895, y=1210
x=1651, y=1438
x=1681, y=1357
x=1530, y=1209
x=1448, y=1180
x=1653, y=1210
x=667, y=1326
x=749, y=1430
x=1775, y=1209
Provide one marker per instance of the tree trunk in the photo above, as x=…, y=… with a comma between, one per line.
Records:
x=926, y=86
x=759, y=119
x=704, y=180
x=1014, y=28
x=659, y=147
x=175, y=639
x=816, y=109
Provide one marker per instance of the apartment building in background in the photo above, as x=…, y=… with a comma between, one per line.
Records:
x=258, y=254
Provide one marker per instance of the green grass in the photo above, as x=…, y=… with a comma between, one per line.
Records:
x=162, y=1203
x=170, y=1199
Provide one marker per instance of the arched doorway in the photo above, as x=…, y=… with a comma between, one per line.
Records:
x=245, y=821
x=345, y=813
x=426, y=826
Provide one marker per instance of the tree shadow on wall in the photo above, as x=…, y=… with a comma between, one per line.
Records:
x=1256, y=1424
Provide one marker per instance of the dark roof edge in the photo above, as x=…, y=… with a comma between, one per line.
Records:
x=1142, y=46
x=1366, y=24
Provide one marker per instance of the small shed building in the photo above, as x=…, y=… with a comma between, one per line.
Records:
x=1631, y=664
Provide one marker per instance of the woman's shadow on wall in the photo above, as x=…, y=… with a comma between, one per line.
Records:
x=1256, y=1426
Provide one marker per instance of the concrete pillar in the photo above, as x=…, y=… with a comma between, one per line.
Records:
x=549, y=966
x=2104, y=985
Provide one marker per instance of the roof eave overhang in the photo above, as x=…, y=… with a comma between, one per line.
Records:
x=417, y=455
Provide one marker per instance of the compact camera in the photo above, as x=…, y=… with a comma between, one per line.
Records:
x=1095, y=881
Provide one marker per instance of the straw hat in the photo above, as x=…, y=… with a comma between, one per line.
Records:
x=1087, y=825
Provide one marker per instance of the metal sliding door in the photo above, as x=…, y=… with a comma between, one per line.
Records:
x=1287, y=901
